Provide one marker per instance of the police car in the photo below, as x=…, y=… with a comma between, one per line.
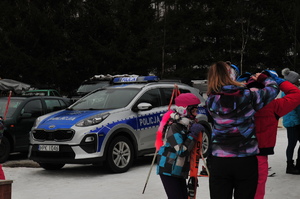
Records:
x=111, y=125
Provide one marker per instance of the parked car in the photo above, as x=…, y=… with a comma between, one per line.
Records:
x=93, y=83
x=41, y=92
x=112, y=125
x=20, y=117
x=88, y=85
x=1, y=128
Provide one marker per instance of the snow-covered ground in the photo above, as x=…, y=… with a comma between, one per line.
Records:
x=80, y=182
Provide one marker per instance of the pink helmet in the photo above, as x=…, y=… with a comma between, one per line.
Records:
x=187, y=99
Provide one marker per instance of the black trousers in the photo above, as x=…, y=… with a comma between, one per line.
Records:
x=293, y=135
x=175, y=188
x=233, y=176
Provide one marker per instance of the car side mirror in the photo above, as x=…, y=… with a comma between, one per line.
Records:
x=142, y=107
x=26, y=115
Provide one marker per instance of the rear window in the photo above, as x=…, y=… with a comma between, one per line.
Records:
x=167, y=94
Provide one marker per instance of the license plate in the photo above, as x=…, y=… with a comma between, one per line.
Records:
x=48, y=147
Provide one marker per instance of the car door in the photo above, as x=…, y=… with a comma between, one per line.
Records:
x=148, y=120
x=24, y=122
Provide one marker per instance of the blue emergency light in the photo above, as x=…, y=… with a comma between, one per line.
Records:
x=135, y=79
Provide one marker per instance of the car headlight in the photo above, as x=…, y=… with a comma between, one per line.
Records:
x=36, y=122
x=95, y=119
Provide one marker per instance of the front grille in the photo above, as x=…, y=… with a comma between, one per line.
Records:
x=57, y=135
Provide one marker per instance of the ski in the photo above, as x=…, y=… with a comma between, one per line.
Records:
x=272, y=174
x=194, y=166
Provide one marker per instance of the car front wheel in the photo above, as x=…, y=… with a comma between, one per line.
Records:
x=206, y=139
x=119, y=155
x=4, y=149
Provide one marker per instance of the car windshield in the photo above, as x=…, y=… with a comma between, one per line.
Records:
x=110, y=98
x=86, y=88
x=13, y=104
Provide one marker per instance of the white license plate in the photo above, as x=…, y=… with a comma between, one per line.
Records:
x=48, y=147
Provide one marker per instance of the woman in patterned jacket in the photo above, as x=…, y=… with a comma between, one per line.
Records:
x=233, y=164
x=173, y=156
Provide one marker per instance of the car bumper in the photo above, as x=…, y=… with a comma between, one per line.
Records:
x=67, y=155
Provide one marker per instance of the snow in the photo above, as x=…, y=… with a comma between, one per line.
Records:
x=85, y=181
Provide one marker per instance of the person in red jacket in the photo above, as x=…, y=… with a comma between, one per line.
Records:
x=266, y=124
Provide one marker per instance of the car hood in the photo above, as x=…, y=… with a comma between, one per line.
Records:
x=67, y=118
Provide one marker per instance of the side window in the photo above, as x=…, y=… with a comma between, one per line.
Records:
x=63, y=104
x=184, y=91
x=33, y=107
x=52, y=105
x=167, y=94
x=152, y=97
x=55, y=93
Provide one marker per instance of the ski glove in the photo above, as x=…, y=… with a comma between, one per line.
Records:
x=274, y=75
x=244, y=77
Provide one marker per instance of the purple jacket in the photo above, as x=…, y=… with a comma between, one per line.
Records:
x=233, y=110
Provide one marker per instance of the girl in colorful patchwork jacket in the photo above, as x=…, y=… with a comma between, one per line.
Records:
x=173, y=154
x=233, y=164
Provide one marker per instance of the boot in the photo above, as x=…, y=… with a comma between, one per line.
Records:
x=291, y=168
x=203, y=172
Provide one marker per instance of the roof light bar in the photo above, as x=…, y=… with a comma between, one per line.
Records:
x=135, y=79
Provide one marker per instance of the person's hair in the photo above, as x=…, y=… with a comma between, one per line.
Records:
x=218, y=76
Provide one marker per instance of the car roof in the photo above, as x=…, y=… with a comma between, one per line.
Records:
x=141, y=85
x=41, y=90
x=36, y=97
x=140, y=82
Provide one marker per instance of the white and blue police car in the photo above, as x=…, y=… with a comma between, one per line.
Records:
x=111, y=125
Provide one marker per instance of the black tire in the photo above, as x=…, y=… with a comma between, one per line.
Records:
x=206, y=139
x=51, y=166
x=4, y=149
x=119, y=155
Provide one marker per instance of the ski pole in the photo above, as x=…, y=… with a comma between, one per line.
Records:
x=149, y=172
x=7, y=105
